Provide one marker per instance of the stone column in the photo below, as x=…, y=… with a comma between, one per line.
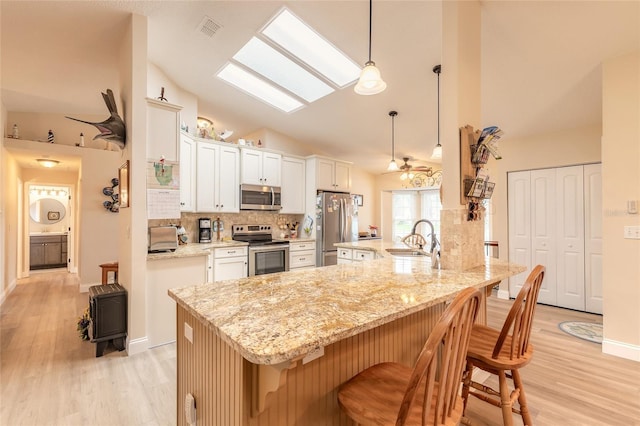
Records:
x=462, y=241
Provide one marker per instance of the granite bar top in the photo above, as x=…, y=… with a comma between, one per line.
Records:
x=194, y=249
x=274, y=318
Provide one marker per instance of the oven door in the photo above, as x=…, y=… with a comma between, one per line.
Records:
x=268, y=259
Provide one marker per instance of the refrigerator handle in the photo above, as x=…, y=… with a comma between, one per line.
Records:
x=341, y=223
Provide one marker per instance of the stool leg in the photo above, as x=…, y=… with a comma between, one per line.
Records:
x=505, y=399
x=522, y=399
x=466, y=383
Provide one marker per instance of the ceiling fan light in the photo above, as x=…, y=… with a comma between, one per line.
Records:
x=437, y=152
x=393, y=167
x=411, y=175
x=370, y=82
x=403, y=176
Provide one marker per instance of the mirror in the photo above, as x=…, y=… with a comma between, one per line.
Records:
x=47, y=211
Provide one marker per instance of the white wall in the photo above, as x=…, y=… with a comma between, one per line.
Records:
x=156, y=79
x=35, y=126
x=621, y=182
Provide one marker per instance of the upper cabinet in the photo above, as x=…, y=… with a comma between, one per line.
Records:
x=187, y=174
x=217, y=186
x=329, y=174
x=261, y=167
x=292, y=188
x=163, y=130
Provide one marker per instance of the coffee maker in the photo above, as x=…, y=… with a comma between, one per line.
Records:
x=204, y=230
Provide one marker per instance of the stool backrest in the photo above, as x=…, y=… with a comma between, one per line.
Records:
x=520, y=317
x=450, y=338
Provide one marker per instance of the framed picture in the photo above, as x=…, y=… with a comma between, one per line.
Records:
x=123, y=178
x=358, y=199
x=53, y=215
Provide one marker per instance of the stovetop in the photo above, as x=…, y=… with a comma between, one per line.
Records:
x=255, y=235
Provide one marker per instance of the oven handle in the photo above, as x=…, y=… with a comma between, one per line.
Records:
x=276, y=247
x=273, y=197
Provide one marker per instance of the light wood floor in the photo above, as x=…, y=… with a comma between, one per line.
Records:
x=49, y=376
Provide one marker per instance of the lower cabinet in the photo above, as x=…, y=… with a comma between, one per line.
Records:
x=47, y=251
x=354, y=255
x=302, y=255
x=228, y=263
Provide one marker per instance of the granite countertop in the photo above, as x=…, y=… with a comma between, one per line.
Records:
x=194, y=249
x=274, y=318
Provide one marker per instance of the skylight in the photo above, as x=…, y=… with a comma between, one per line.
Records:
x=288, y=65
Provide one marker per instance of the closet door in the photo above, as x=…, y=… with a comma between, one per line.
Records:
x=570, y=237
x=543, y=230
x=593, y=237
x=519, y=188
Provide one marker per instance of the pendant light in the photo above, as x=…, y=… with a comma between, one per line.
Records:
x=393, y=167
x=437, y=150
x=370, y=82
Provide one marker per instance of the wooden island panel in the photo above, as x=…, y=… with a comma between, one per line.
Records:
x=225, y=385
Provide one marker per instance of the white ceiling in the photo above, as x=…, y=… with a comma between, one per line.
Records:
x=541, y=64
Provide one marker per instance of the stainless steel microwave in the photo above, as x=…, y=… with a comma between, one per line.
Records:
x=258, y=197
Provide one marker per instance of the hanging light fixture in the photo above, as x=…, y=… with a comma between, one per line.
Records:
x=392, y=165
x=437, y=150
x=46, y=162
x=370, y=82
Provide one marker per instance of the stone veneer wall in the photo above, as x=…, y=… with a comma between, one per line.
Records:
x=462, y=241
x=190, y=222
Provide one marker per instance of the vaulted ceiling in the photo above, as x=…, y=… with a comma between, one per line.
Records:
x=541, y=64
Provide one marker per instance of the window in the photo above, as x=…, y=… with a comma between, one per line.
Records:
x=403, y=213
x=430, y=209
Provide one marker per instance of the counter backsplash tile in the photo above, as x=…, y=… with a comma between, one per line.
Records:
x=190, y=221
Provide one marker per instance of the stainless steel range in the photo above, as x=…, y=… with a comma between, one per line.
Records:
x=266, y=255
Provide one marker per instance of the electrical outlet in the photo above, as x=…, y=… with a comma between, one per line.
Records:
x=632, y=232
x=188, y=332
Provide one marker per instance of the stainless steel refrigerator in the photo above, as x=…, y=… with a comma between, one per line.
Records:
x=337, y=222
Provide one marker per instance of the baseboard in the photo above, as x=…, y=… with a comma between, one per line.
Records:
x=7, y=291
x=84, y=288
x=621, y=349
x=136, y=346
x=503, y=294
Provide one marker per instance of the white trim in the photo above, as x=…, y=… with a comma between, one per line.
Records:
x=503, y=294
x=84, y=288
x=621, y=349
x=137, y=346
x=7, y=291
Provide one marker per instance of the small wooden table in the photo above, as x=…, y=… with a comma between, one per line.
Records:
x=109, y=267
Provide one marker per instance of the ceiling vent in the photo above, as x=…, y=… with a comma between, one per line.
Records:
x=208, y=27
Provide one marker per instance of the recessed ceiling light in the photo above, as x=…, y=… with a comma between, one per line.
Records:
x=259, y=88
x=45, y=162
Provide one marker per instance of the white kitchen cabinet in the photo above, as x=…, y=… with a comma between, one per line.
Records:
x=302, y=255
x=230, y=263
x=293, y=185
x=261, y=167
x=555, y=220
x=217, y=183
x=328, y=174
x=163, y=130
x=187, y=174
x=345, y=256
x=361, y=255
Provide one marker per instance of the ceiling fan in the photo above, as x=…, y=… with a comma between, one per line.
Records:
x=407, y=168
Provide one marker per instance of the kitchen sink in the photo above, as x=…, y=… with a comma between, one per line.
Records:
x=406, y=252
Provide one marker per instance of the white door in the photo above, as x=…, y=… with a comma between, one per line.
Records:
x=251, y=167
x=293, y=184
x=206, y=177
x=187, y=174
x=271, y=169
x=343, y=177
x=519, y=203
x=593, y=237
x=543, y=233
x=325, y=174
x=228, y=185
x=570, y=237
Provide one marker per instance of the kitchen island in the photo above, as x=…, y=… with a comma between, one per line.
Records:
x=273, y=349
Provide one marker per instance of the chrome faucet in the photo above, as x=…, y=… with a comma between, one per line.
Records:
x=435, y=258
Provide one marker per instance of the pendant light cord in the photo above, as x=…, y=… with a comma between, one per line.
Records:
x=370, y=19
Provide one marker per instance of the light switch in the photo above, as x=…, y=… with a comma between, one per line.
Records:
x=632, y=232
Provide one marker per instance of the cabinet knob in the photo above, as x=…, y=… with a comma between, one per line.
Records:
x=221, y=205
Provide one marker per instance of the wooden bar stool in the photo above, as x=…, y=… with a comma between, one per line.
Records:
x=109, y=267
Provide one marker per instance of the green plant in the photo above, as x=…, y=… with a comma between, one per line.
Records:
x=83, y=325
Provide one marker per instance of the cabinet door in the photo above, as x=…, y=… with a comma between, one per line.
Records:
x=271, y=169
x=36, y=254
x=163, y=124
x=570, y=232
x=206, y=177
x=228, y=180
x=187, y=174
x=325, y=174
x=519, y=202
x=251, y=169
x=230, y=268
x=593, y=237
x=52, y=253
x=293, y=184
x=543, y=232
x=342, y=177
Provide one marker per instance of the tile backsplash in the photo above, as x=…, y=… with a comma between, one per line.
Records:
x=190, y=222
